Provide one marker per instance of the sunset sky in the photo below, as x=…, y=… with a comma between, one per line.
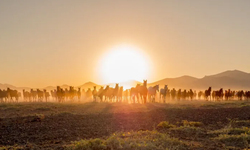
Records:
x=63, y=41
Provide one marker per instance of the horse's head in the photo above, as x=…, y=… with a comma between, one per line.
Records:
x=157, y=87
x=137, y=85
x=166, y=87
x=107, y=87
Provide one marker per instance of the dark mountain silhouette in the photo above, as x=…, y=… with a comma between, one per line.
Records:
x=233, y=79
x=179, y=82
x=89, y=85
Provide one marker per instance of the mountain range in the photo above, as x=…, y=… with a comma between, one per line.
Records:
x=233, y=79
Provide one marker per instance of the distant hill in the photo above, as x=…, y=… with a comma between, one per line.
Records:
x=233, y=79
x=179, y=82
x=89, y=85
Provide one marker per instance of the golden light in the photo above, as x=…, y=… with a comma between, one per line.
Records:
x=123, y=63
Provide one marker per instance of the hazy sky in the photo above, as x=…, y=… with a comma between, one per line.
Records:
x=60, y=41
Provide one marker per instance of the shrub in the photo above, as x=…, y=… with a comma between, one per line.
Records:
x=146, y=140
x=165, y=125
x=242, y=123
x=192, y=123
x=240, y=141
x=188, y=132
x=92, y=144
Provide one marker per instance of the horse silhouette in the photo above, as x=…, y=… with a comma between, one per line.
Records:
x=95, y=95
x=179, y=94
x=163, y=93
x=143, y=91
x=173, y=94
x=207, y=93
x=240, y=94
x=191, y=94
x=12, y=94
x=218, y=94
x=120, y=94
x=3, y=96
x=134, y=94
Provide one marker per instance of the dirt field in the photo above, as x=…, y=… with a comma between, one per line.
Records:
x=55, y=126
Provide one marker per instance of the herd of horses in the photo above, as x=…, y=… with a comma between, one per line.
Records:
x=138, y=94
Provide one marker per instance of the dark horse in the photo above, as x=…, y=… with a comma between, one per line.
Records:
x=139, y=91
x=143, y=91
x=219, y=94
x=208, y=93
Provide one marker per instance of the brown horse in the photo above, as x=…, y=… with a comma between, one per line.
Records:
x=46, y=95
x=173, y=94
x=143, y=91
x=134, y=94
x=3, y=96
x=207, y=93
x=95, y=94
x=179, y=94
x=120, y=94
x=12, y=94
x=191, y=94
x=219, y=94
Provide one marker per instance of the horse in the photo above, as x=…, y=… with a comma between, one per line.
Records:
x=94, y=93
x=240, y=95
x=126, y=95
x=115, y=93
x=208, y=93
x=33, y=94
x=173, y=93
x=228, y=94
x=184, y=94
x=152, y=92
x=3, y=96
x=83, y=94
x=88, y=94
x=72, y=93
x=143, y=91
x=40, y=95
x=219, y=94
x=134, y=94
x=100, y=94
x=179, y=94
x=12, y=94
x=191, y=94
x=247, y=95
x=163, y=93
x=120, y=94
x=26, y=95
x=46, y=95
x=200, y=93
x=79, y=94
x=60, y=94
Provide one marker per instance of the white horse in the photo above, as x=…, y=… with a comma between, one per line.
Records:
x=163, y=93
x=152, y=92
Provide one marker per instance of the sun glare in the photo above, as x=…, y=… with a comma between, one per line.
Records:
x=123, y=63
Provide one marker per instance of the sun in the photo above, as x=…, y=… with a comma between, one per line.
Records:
x=123, y=63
